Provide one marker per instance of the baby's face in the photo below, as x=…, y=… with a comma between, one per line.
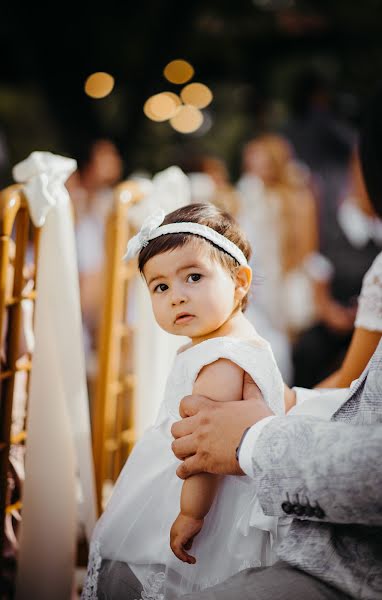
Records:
x=191, y=294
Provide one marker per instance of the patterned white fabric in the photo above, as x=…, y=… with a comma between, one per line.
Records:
x=321, y=403
x=369, y=314
x=136, y=524
x=336, y=466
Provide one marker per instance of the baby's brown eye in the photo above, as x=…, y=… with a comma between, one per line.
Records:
x=161, y=287
x=194, y=277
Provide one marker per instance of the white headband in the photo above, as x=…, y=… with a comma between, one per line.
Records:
x=151, y=229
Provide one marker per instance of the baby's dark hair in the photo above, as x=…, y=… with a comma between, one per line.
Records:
x=204, y=214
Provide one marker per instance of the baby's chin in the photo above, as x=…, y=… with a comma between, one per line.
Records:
x=187, y=330
x=180, y=331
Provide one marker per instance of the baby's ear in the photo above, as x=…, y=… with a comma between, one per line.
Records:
x=243, y=280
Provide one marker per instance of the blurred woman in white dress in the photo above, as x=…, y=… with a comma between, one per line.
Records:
x=278, y=215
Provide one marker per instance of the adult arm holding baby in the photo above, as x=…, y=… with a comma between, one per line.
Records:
x=209, y=434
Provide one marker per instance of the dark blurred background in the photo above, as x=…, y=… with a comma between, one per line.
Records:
x=249, y=52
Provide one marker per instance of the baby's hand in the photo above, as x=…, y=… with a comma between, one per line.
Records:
x=182, y=534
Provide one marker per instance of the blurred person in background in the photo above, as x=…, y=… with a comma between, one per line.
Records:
x=368, y=323
x=278, y=215
x=321, y=141
x=355, y=241
x=91, y=189
x=210, y=182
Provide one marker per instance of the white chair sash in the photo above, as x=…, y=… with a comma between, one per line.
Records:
x=59, y=440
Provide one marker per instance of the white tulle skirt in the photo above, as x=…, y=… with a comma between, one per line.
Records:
x=135, y=527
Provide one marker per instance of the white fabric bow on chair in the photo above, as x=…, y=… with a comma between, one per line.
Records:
x=168, y=190
x=59, y=441
x=44, y=175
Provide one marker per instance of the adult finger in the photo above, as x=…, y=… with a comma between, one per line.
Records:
x=183, y=427
x=191, y=405
x=184, y=447
x=190, y=466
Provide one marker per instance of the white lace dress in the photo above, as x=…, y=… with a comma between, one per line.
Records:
x=369, y=313
x=136, y=524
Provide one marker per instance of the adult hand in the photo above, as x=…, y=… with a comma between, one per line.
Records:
x=209, y=433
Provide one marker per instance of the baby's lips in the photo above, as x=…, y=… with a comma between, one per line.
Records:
x=183, y=317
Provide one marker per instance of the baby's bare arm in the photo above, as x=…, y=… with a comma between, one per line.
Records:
x=198, y=493
x=220, y=381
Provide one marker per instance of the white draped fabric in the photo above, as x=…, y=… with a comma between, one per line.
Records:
x=154, y=349
x=59, y=442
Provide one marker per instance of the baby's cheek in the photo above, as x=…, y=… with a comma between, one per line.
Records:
x=162, y=318
x=156, y=310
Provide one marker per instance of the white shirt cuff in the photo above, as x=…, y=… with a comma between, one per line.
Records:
x=248, y=444
x=303, y=394
x=321, y=403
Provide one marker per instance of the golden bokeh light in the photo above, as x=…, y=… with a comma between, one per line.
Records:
x=196, y=94
x=99, y=85
x=174, y=97
x=163, y=106
x=178, y=71
x=160, y=107
x=187, y=119
x=148, y=112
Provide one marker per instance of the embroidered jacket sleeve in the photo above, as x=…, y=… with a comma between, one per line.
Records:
x=369, y=314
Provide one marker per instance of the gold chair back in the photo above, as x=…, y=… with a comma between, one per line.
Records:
x=113, y=418
x=18, y=255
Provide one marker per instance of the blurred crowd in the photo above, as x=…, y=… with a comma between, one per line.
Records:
x=300, y=199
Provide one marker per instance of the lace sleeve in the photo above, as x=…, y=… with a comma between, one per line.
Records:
x=369, y=314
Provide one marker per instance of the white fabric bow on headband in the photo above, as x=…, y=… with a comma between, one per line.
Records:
x=152, y=228
x=142, y=238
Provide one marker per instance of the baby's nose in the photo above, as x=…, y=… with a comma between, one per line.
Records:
x=178, y=298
